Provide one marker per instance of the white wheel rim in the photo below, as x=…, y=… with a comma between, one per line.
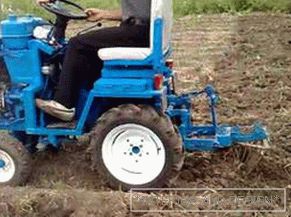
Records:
x=133, y=154
x=7, y=167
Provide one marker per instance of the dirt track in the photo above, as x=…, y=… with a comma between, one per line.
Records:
x=248, y=59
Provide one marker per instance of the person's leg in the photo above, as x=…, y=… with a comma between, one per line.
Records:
x=81, y=52
x=73, y=72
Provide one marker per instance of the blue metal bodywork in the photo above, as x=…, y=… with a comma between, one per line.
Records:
x=122, y=81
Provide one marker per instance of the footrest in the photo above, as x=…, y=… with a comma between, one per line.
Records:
x=62, y=125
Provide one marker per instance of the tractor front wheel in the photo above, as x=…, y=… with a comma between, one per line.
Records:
x=136, y=147
x=15, y=164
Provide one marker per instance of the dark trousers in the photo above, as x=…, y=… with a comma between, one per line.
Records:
x=82, y=66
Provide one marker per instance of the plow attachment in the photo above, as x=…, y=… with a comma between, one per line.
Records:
x=223, y=137
x=257, y=133
x=226, y=135
x=214, y=136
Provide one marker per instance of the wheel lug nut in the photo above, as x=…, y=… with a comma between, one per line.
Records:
x=148, y=153
x=130, y=154
x=124, y=153
x=140, y=155
x=141, y=146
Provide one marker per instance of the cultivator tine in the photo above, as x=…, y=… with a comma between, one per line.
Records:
x=250, y=154
x=246, y=157
x=265, y=144
x=287, y=169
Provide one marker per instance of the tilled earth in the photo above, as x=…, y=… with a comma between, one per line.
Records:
x=248, y=59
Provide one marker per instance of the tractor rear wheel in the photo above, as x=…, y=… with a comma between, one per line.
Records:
x=15, y=164
x=136, y=147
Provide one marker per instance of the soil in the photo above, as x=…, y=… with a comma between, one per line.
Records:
x=248, y=59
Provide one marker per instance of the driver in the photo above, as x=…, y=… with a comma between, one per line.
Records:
x=82, y=66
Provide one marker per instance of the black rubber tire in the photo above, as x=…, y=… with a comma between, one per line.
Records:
x=22, y=161
x=148, y=117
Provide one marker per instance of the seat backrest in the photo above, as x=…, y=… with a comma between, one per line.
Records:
x=162, y=9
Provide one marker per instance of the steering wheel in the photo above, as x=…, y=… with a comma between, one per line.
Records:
x=66, y=9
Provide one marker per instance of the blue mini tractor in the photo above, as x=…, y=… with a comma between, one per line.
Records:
x=139, y=127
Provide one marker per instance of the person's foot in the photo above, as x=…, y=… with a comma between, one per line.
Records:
x=56, y=109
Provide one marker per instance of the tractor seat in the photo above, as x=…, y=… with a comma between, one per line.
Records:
x=160, y=9
x=124, y=53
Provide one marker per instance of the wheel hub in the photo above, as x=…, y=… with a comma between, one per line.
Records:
x=7, y=167
x=2, y=164
x=136, y=150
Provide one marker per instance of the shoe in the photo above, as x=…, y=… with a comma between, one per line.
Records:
x=56, y=109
